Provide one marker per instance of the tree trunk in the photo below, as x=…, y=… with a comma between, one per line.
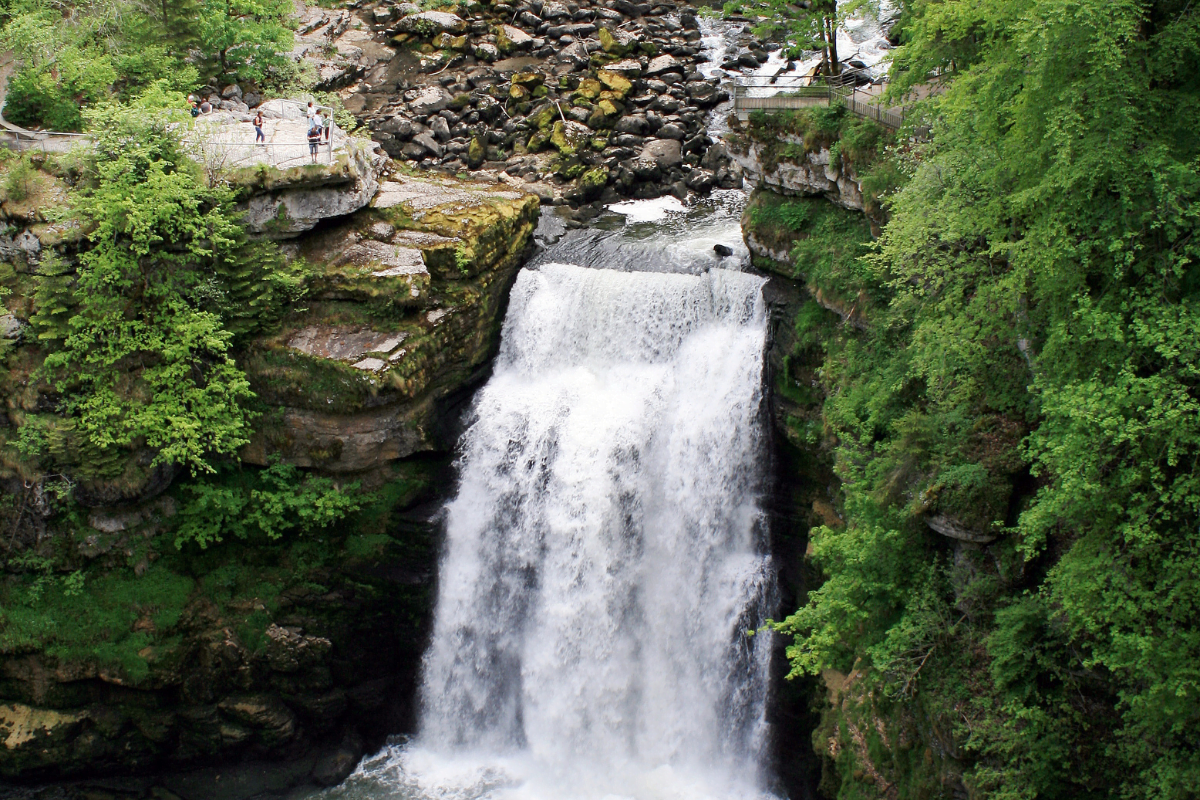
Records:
x=831, y=54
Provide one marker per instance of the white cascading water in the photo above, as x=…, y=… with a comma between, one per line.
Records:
x=605, y=557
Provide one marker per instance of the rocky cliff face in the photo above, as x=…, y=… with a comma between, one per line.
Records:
x=797, y=171
x=405, y=313
x=292, y=655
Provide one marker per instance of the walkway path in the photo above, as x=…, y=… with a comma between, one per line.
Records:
x=228, y=138
x=770, y=95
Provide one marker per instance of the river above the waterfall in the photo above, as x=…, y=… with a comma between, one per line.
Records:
x=605, y=560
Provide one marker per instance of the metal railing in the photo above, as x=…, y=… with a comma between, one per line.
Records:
x=793, y=92
x=58, y=141
x=47, y=141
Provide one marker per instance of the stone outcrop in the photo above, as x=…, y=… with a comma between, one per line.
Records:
x=812, y=174
x=353, y=396
x=285, y=203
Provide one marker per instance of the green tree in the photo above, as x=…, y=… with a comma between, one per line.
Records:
x=808, y=26
x=142, y=362
x=1033, y=375
x=64, y=67
x=247, y=38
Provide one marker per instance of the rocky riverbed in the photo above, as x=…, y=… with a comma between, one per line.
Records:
x=576, y=103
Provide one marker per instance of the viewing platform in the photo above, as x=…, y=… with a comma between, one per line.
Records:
x=774, y=94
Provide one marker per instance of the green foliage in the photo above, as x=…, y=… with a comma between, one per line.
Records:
x=91, y=620
x=139, y=362
x=64, y=68
x=18, y=180
x=73, y=56
x=247, y=38
x=138, y=333
x=261, y=504
x=1031, y=371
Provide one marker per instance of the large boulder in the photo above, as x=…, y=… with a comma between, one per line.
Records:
x=431, y=23
x=431, y=100
x=299, y=198
x=665, y=153
x=510, y=39
x=661, y=64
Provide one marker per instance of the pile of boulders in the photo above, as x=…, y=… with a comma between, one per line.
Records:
x=578, y=101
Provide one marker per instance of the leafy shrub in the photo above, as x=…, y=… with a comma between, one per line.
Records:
x=260, y=504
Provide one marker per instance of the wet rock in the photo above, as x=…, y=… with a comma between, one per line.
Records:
x=671, y=131
x=722, y=250
x=579, y=30
x=636, y=125
x=700, y=180
x=510, y=39
x=664, y=153
x=716, y=155
x=333, y=768
x=554, y=10
x=575, y=54
x=430, y=100
x=661, y=64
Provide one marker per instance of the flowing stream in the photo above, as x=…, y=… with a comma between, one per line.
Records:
x=605, y=555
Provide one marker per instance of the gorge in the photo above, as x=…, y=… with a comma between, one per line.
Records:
x=559, y=434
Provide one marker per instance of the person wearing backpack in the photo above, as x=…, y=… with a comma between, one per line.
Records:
x=259, y=137
x=314, y=136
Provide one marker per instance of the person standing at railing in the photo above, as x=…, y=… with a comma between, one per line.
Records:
x=314, y=136
x=259, y=137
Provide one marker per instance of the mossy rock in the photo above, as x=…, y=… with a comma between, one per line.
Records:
x=618, y=84
x=567, y=139
x=538, y=141
x=589, y=89
x=518, y=93
x=528, y=79
x=603, y=115
x=609, y=43
x=475, y=153
x=542, y=117
x=592, y=182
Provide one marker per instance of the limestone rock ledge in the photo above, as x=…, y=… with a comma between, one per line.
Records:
x=284, y=203
x=812, y=174
x=405, y=313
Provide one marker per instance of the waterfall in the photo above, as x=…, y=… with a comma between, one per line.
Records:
x=605, y=560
